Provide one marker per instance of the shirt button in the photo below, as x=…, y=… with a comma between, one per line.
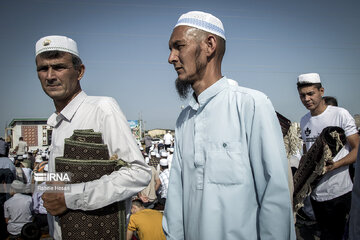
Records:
x=224, y=145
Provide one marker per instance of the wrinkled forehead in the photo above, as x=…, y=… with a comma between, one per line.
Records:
x=46, y=58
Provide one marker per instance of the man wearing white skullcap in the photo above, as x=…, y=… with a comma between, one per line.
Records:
x=17, y=209
x=331, y=198
x=60, y=70
x=164, y=180
x=228, y=147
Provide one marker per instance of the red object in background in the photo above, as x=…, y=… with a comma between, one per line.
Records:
x=30, y=135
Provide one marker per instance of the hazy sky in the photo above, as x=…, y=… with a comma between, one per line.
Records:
x=124, y=46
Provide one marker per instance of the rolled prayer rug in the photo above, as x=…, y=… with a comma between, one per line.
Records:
x=312, y=164
x=86, y=158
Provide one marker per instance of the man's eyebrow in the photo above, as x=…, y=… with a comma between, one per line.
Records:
x=176, y=42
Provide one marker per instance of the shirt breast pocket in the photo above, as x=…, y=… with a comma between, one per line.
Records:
x=224, y=163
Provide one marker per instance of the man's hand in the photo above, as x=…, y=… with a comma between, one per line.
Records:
x=54, y=202
x=331, y=167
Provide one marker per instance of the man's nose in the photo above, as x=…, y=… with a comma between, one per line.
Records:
x=172, y=57
x=50, y=73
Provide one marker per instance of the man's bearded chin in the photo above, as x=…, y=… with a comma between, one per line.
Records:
x=183, y=88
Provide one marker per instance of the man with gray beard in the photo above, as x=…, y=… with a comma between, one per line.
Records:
x=229, y=175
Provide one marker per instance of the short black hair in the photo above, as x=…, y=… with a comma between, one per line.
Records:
x=76, y=61
x=301, y=85
x=329, y=100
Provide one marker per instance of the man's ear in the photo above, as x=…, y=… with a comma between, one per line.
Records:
x=81, y=71
x=211, y=44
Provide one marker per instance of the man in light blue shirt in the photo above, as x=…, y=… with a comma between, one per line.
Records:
x=229, y=174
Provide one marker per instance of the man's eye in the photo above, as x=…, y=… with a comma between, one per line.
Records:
x=58, y=67
x=42, y=69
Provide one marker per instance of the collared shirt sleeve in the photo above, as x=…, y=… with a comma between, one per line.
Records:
x=270, y=170
x=173, y=226
x=121, y=184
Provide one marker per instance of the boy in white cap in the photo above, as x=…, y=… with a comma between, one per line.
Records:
x=228, y=147
x=331, y=199
x=60, y=70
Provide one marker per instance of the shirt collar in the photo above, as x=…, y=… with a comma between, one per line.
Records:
x=69, y=111
x=208, y=94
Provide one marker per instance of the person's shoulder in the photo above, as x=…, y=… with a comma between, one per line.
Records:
x=305, y=117
x=244, y=92
x=106, y=104
x=99, y=100
x=338, y=110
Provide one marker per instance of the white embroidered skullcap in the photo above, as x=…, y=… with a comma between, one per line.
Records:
x=25, y=156
x=56, y=43
x=171, y=149
x=157, y=155
x=309, y=78
x=164, y=154
x=163, y=162
x=153, y=153
x=203, y=21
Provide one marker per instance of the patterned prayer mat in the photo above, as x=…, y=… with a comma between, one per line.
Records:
x=87, y=159
x=312, y=164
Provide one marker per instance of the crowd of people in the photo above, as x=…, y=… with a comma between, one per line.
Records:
x=227, y=175
x=22, y=210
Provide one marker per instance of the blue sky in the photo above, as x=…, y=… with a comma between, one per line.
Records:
x=124, y=46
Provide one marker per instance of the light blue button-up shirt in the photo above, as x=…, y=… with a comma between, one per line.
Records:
x=229, y=175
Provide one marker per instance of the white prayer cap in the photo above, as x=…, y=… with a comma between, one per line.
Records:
x=20, y=158
x=153, y=153
x=43, y=155
x=56, y=43
x=164, y=154
x=203, y=21
x=309, y=78
x=163, y=162
x=38, y=159
x=158, y=155
x=25, y=156
x=141, y=148
x=18, y=186
x=171, y=149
